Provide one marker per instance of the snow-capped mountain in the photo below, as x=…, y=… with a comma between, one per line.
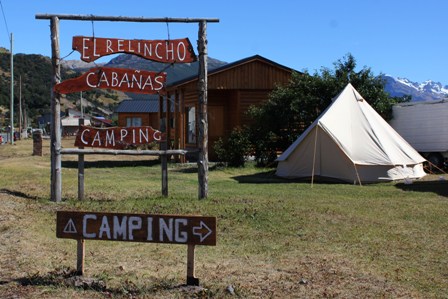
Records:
x=425, y=91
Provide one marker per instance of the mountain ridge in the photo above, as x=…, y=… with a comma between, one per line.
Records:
x=425, y=91
x=428, y=90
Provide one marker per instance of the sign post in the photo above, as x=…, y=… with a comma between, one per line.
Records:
x=155, y=228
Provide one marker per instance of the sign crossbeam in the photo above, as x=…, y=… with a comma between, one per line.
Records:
x=124, y=19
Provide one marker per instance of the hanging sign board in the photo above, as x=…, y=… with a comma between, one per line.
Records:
x=125, y=80
x=116, y=137
x=175, y=229
x=169, y=51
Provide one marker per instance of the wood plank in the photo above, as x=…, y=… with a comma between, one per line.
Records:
x=149, y=228
x=167, y=51
x=116, y=137
x=125, y=80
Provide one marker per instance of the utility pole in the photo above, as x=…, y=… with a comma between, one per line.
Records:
x=11, y=109
x=20, y=108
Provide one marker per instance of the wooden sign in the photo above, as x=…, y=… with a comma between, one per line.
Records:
x=169, y=51
x=176, y=229
x=116, y=137
x=126, y=80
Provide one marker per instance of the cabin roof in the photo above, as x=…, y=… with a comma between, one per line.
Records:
x=138, y=106
x=230, y=66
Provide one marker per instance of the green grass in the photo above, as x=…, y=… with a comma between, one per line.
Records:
x=380, y=240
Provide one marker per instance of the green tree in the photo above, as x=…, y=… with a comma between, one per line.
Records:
x=291, y=109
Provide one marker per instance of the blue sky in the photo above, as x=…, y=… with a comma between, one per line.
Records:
x=397, y=37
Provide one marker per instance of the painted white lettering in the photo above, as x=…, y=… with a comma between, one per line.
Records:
x=88, y=79
x=84, y=47
x=97, y=138
x=138, y=81
x=149, y=229
x=123, y=134
x=130, y=46
x=157, y=51
x=120, y=45
x=180, y=236
x=159, y=81
x=147, y=50
x=86, y=218
x=109, y=46
x=133, y=136
x=104, y=228
x=157, y=135
x=110, y=138
x=103, y=78
x=120, y=228
x=114, y=79
x=134, y=223
x=125, y=80
x=165, y=229
x=94, y=49
x=169, y=51
x=82, y=136
x=145, y=136
x=181, y=48
x=148, y=82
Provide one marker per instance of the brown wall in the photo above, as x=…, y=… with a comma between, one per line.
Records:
x=148, y=119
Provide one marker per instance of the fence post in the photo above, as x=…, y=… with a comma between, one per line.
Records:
x=81, y=168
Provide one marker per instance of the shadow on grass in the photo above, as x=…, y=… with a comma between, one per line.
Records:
x=69, y=278
x=18, y=194
x=110, y=164
x=269, y=177
x=438, y=187
x=189, y=169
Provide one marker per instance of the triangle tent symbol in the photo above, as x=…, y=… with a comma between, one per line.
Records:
x=70, y=227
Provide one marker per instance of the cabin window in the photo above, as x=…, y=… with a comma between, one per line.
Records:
x=133, y=121
x=191, y=124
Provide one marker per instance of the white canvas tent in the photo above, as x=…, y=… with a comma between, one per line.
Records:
x=351, y=142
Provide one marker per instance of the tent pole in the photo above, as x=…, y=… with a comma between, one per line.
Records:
x=314, y=156
x=357, y=174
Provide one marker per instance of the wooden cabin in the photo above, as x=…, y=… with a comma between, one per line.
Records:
x=136, y=113
x=232, y=89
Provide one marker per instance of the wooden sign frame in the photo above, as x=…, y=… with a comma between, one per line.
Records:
x=148, y=228
x=56, y=161
x=165, y=51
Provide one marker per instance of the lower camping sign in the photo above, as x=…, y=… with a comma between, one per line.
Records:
x=191, y=230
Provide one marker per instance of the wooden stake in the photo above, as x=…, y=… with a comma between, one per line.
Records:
x=81, y=168
x=191, y=280
x=164, y=164
x=81, y=254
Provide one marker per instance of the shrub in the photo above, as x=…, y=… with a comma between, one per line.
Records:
x=235, y=150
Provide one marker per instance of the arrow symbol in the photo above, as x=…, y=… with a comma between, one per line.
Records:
x=203, y=231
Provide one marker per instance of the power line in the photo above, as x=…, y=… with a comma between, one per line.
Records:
x=4, y=18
